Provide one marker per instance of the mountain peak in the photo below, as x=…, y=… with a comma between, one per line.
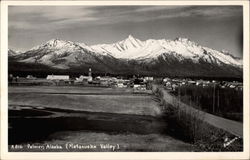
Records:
x=55, y=41
x=58, y=43
x=130, y=37
x=186, y=41
x=11, y=52
x=131, y=42
x=182, y=39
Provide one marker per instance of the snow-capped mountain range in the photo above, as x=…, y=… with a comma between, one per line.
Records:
x=66, y=54
x=132, y=48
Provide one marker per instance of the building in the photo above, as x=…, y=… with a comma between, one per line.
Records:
x=147, y=79
x=168, y=85
x=192, y=82
x=58, y=77
x=166, y=80
x=84, y=79
x=30, y=77
x=141, y=87
x=121, y=85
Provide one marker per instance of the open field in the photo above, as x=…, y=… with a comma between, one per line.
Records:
x=85, y=99
x=88, y=115
x=68, y=89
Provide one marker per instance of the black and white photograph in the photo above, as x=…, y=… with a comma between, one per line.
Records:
x=126, y=78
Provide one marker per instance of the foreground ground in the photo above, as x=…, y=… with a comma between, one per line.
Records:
x=84, y=116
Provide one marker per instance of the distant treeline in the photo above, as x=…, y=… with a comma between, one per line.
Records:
x=41, y=71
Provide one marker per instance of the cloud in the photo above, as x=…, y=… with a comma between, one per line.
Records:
x=215, y=11
x=58, y=17
x=47, y=17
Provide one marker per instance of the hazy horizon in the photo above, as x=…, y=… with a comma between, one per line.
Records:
x=217, y=27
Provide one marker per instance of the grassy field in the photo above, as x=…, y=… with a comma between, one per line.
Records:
x=67, y=89
x=85, y=99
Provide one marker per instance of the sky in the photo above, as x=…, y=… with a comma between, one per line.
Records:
x=217, y=27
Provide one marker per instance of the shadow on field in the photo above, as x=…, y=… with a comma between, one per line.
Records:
x=36, y=125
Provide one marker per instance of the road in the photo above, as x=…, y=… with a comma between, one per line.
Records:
x=233, y=127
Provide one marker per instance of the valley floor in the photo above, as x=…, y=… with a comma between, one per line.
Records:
x=61, y=119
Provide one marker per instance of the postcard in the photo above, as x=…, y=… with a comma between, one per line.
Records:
x=125, y=79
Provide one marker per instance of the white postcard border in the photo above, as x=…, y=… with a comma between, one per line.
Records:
x=119, y=155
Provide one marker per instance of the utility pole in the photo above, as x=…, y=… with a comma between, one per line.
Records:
x=218, y=101
x=214, y=98
x=179, y=99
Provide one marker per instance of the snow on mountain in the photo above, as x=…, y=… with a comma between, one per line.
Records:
x=60, y=54
x=132, y=48
x=225, y=58
x=13, y=53
x=57, y=53
x=122, y=49
x=58, y=46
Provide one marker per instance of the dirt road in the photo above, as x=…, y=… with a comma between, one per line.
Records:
x=230, y=126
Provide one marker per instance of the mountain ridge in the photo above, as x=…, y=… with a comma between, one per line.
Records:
x=132, y=52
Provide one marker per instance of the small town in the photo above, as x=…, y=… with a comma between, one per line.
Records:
x=136, y=82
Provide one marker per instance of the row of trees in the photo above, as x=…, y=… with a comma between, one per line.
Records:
x=225, y=102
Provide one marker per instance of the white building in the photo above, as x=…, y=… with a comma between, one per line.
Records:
x=166, y=80
x=149, y=78
x=58, y=77
x=84, y=78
